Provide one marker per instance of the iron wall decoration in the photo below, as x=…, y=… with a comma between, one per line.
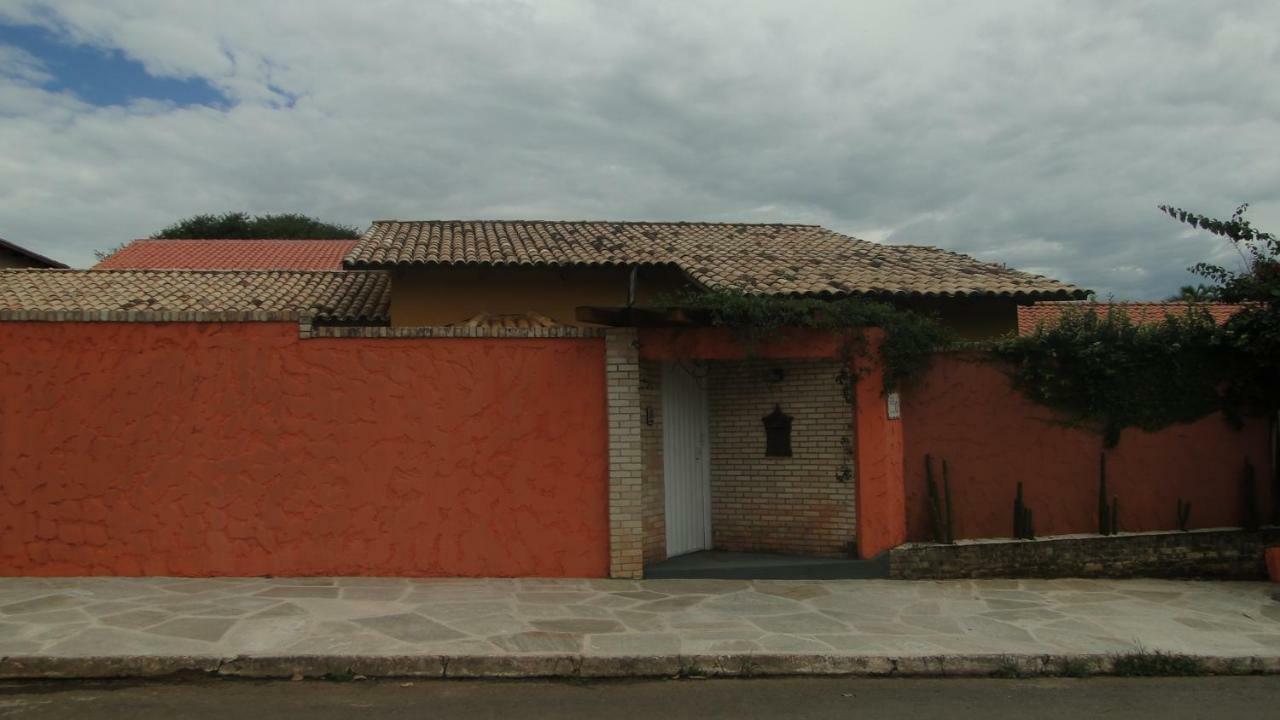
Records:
x=777, y=433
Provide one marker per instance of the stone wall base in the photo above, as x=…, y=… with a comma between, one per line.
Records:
x=1224, y=554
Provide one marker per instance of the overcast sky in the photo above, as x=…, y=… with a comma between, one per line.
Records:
x=1039, y=134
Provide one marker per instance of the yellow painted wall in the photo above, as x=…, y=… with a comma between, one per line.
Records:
x=441, y=295
x=444, y=295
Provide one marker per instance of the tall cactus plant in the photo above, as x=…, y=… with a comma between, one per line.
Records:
x=1023, y=520
x=1106, y=524
x=1249, y=494
x=939, y=505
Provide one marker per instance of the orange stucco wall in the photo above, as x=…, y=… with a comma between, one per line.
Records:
x=965, y=411
x=238, y=449
x=881, y=491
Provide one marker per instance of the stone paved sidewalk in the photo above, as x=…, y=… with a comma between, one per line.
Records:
x=392, y=626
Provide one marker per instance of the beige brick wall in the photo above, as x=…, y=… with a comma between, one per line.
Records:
x=654, y=495
x=797, y=504
x=622, y=382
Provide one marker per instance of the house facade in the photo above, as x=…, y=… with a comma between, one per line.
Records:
x=452, y=404
x=448, y=271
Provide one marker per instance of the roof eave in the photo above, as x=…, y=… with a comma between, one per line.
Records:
x=37, y=257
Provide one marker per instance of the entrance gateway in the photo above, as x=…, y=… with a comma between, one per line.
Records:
x=686, y=464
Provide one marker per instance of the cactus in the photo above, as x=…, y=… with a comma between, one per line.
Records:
x=1105, y=523
x=1023, y=522
x=946, y=489
x=1184, y=514
x=939, y=507
x=1249, y=494
x=935, y=510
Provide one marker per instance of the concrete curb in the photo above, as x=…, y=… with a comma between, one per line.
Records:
x=579, y=666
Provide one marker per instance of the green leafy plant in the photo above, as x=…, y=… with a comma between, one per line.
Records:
x=909, y=337
x=1074, y=667
x=1104, y=372
x=1259, y=279
x=1144, y=663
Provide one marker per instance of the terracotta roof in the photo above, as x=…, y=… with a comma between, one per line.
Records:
x=158, y=254
x=771, y=259
x=523, y=321
x=1030, y=316
x=36, y=258
x=340, y=296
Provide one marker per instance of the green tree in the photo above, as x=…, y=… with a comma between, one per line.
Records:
x=1252, y=336
x=1194, y=293
x=242, y=226
x=1259, y=279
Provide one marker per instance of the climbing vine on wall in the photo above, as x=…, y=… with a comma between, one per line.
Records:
x=910, y=337
x=1103, y=371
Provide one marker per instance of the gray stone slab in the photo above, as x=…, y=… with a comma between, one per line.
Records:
x=206, y=629
x=112, y=627
x=800, y=623
x=136, y=619
x=410, y=627
x=302, y=591
x=42, y=604
x=579, y=625
x=539, y=642
x=636, y=644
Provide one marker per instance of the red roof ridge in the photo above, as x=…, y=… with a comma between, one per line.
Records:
x=230, y=254
x=275, y=239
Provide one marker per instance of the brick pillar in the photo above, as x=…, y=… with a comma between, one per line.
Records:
x=881, y=488
x=622, y=381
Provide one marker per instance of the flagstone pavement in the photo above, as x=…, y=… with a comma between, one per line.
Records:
x=230, y=617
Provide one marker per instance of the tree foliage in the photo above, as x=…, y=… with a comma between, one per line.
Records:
x=1259, y=279
x=1252, y=336
x=242, y=226
x=1104, y=371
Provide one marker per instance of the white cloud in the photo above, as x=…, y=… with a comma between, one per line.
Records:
x=21, y=67
x=1041, y=134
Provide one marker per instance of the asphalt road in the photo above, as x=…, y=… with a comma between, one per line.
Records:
x=1163, y=698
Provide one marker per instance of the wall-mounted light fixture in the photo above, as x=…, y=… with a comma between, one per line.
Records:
x=777, y=433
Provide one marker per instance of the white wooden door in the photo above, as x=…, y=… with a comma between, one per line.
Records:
x=686, y=459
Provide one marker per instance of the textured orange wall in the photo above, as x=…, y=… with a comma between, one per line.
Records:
x=965, y=411
x=882, y=513
x=238, y=449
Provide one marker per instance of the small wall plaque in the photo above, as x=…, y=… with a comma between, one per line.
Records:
x=895, y=406
x=777, y=433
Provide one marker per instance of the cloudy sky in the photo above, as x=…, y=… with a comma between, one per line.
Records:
x=1039, y=134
